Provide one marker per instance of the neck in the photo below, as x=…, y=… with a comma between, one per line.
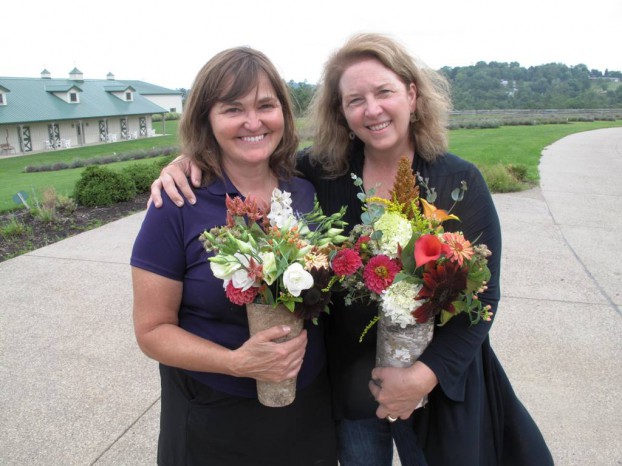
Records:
x=258, y=182
x=379, y=171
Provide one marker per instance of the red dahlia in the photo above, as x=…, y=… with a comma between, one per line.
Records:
x=239, y=297
x=346, y=262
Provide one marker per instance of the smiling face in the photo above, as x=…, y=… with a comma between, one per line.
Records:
x=248, y=129
x=377, y=106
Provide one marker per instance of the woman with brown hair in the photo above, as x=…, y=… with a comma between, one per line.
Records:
x=238, y=127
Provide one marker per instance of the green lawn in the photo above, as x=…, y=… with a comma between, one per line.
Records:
x=517, y=145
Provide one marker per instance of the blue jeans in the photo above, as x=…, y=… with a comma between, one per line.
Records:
x=369, y=442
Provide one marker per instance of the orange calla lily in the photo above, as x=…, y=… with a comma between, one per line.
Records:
x=432, y=213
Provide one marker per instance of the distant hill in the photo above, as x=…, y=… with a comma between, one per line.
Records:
x=496, y=85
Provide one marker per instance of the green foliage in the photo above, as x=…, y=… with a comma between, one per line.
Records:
x=13, y=228
x=301, y=94
x=519, y=172
x=500, y=180
x=497, y=85
x=142, y=175
x=167, y=116
x=108, y=159
x=101, y=186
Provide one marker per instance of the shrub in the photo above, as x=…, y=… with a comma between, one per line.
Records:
x=14, y=228
x=168, y=116
x=101, y=186
x=519, y=172
x=500, y=180
x=142, y=175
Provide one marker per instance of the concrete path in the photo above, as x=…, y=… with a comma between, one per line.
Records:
x=76, y=390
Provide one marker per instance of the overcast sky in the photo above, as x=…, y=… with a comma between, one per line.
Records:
x=167, y=42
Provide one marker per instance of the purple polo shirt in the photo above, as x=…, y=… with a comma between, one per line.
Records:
x=168, y=245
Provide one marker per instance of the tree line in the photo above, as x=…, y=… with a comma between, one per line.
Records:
x=496, y=85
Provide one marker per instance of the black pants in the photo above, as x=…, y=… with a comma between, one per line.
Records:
x=200, y=426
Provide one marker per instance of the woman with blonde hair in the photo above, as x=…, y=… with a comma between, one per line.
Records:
x=373, y=106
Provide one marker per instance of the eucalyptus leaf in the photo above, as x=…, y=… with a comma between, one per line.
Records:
x=457, y=194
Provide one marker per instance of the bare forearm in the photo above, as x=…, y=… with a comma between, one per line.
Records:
x=176, y=347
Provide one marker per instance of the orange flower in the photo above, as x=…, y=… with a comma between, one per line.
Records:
x=459, y=248
x=432, y=213
x=428, y=248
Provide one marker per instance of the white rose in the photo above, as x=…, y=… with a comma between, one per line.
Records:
x=296, y=279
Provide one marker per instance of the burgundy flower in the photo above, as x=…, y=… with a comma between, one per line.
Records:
x=346, y=262
x=442, y=284
x=379, y=273
x=314, y=300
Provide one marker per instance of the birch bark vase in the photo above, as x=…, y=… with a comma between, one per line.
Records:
x=401, y=347
x=262, y=317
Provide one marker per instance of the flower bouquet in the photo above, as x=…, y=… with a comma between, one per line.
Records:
x=277, y=263
x=401, y=257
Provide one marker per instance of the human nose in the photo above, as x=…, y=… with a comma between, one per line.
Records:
x=372, y=107
x=252, y=122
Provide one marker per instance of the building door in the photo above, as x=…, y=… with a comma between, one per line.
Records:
x=54, y=135
x=123, y=128
x=79, y=133
x=103, y=130
x=25, y=141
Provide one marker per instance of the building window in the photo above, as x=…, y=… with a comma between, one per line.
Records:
x=2, y=99
x=173, y=109
x=73, y=97
x=128, y=96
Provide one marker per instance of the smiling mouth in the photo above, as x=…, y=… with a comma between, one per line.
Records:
x=379, y=126
x=257, y=138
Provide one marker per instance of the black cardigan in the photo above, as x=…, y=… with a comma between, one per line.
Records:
x=473, y=416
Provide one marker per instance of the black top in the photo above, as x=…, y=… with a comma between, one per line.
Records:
x=467, y=409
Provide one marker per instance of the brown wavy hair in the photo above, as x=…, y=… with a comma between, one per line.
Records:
x=227, y=76
x=331, y=144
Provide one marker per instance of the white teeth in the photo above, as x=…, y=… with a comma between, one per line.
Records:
x=380, y=126
x=253, y=138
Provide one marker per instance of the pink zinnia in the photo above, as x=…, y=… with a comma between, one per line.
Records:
x=379, y=273
x=459, y=249
x=239, y=297
x=346, y=262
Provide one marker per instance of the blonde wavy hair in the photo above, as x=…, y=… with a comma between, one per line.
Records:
x=331, y=144
x=227, y=76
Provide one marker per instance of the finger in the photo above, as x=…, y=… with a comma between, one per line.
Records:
x=156, y=194
x=174, y=181
x=195, y=175
x=273, y=333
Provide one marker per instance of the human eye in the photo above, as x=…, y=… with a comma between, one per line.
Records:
x=353, y=101
x=230, y=109
x=268, y=104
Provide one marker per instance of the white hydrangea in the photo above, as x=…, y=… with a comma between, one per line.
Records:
x=395, y=230
x=398, y=301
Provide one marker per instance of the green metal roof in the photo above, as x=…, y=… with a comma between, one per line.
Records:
x=32, y=100
x=147, y=88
